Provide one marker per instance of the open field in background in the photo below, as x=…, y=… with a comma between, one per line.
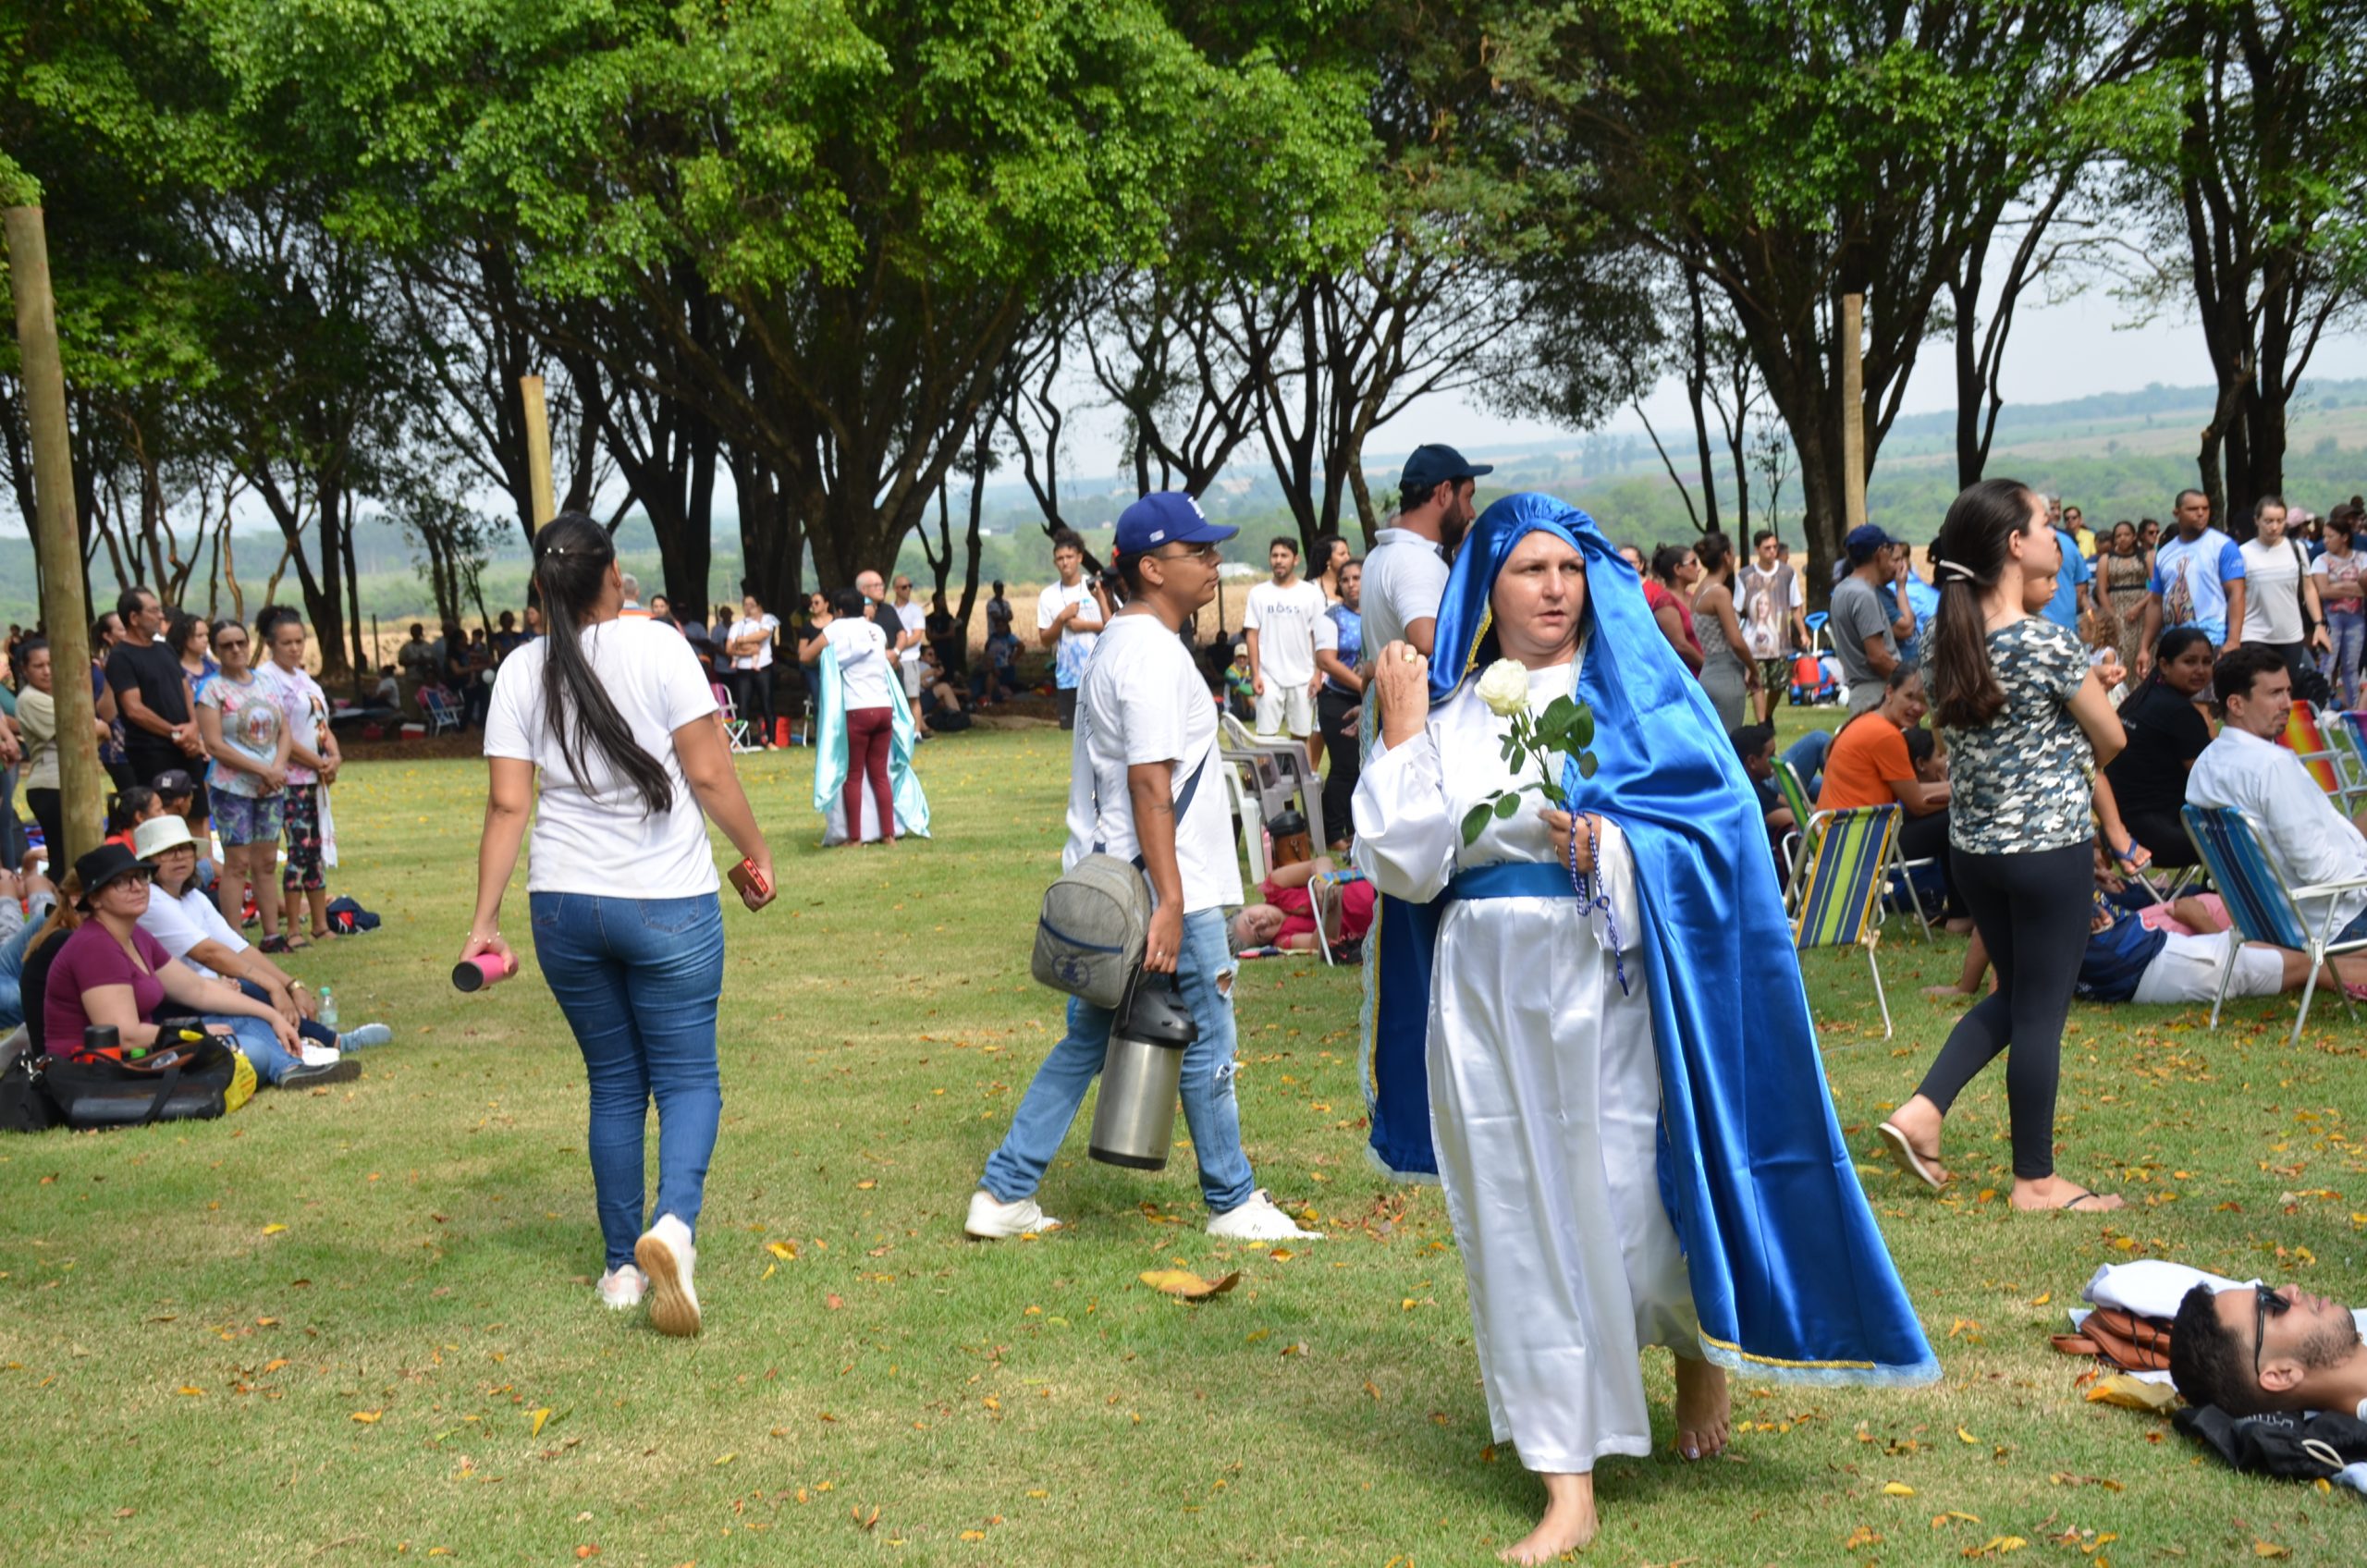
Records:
x=356, y=1327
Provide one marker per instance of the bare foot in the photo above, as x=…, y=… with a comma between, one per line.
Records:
x=1946, y=994
x=2052, y=1194
x=1702, y=1408
x=1569, y=1523
x=1918, y=1122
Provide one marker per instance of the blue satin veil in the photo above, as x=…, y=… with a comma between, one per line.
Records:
x=1790, y=1276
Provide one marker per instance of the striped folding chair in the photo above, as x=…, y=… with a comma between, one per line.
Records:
x=2350, y=733
x=1797, y=845
x=2264, y=908
x=1841, y=895
x=2305, y=738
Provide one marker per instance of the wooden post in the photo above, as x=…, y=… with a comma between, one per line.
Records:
x=538, y=447
x=1853, y=409
x=82, y=784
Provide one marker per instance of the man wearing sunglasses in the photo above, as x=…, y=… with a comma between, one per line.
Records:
x=2254, y=1349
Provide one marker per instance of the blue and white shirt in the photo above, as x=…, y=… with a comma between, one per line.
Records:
x=2192, y=578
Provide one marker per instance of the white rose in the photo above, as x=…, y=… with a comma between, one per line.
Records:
x=1503, y=686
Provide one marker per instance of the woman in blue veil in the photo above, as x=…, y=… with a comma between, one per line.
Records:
x=1595, y=1034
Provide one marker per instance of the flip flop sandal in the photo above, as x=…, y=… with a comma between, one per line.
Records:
x=294, y=944
x=1904, y=1152
x=2063, y=1208
x=272, y=945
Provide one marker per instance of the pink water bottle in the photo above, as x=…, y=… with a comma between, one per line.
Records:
x=485, y=969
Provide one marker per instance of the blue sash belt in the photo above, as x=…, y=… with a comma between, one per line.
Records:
x=1510, y=879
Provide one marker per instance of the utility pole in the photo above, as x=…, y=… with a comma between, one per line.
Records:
x=538, y=448
x=81, y=782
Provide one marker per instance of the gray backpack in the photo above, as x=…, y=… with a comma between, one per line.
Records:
x=1095, y=919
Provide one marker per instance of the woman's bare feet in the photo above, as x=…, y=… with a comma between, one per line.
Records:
x=1913, y=1134
x=1702, y=1408
x=1569, y=1523
x=2053, y=1192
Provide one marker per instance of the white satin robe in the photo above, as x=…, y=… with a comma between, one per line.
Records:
x=1544, y=1099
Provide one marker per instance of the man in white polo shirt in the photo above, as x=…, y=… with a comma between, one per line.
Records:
x=1280, y=623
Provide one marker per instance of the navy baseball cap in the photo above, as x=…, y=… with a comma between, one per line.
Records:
x=1864, y=541
x=1434, y=465
x=1166, y=517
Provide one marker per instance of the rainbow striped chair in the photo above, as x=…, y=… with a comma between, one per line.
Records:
x=1847, y=855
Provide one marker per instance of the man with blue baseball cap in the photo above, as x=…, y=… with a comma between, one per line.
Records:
x=1405, y=572
x=1143, y=787
x=1866, y=631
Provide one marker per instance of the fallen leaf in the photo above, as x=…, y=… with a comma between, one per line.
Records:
x=191, y=1391
x=834, y=1302
x=782, y=1250
x=1965, y=1436
x=727, y=1458
x=974, y=1535
x=274, y=1229
x=2042, y=1298
x=1186, y=1285
x=586, y=1552
x=2270, y=1549
x=1897, y=1488
x=275, y=1364
x=541, y=1416
x=368, y=1417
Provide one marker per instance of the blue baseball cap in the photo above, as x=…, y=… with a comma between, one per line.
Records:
x=1433, y=465
x=1864, y=540
x=1166, y=517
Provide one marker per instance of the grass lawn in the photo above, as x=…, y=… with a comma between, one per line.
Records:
x=356, y=1326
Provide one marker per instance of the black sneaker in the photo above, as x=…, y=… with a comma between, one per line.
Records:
x=342, y=1070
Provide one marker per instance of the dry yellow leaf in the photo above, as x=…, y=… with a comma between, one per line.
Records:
x=368, y=1417
x=274, y=1229
x=1897, y=1488
x=191, y=1391
x=1255, y=1335
x=782, y=1250
x=275, y=1364
x=2270, y=1549
x=974, y=1535
x=1040, y=1492
x=1183, y=1283
x=2042, y=1298
x=727, y=1458
x=1965, y=1436
x=542, y=1416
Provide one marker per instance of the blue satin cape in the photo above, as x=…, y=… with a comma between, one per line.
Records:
x=830, y=753
x=1790, y=1276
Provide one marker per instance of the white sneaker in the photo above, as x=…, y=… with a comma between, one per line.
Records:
x=621, y=1287
x=991, y=1220
x=666, y=1257
x=1259, y=1221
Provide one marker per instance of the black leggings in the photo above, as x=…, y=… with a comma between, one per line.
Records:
x=754, y=700
x=1331, y=710
x=2032, y=910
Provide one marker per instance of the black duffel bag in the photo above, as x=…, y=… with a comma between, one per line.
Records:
x=25, y=1105
x=187, y=1076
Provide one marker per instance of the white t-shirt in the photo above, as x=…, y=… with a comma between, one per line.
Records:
x=1284, y=620
x=180, y=923
x=915, y=619
x=2273, y=592
x=1075, y=648
x=306, y=709
x=1405, y=581
x=1144, y=702
x=763, y=658
x=863, y=654
x=592, y=835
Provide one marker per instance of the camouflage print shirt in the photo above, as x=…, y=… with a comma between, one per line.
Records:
x=2024, y=781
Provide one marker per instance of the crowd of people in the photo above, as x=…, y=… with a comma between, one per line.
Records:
x=219, y=823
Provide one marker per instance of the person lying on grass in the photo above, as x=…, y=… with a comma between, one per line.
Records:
x=2253, y=1350
x=1286, y=916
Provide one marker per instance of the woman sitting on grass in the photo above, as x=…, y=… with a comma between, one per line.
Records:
x=110, y=972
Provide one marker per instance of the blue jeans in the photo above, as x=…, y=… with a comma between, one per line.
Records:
x=311, y=1029
x=1204, y=973
x=12, y=968
x=1807, y=757
x=2341, y=664
x=639, y=980
x=260, y=1046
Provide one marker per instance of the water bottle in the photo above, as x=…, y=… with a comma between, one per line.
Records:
x=328, y=1007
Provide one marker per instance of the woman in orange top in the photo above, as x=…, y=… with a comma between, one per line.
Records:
x=1869, y=766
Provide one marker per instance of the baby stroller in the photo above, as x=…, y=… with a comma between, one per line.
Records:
x=1811, y=682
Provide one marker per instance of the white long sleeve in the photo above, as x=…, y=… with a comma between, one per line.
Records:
x=1406, y=833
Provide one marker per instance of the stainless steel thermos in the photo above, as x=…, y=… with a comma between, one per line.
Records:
x=1134, y=1123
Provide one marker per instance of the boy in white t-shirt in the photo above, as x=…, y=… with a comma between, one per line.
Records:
x=1280, y=621
x=1068, y=619
x=1140, y=787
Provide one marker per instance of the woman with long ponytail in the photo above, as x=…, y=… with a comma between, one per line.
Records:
x=619, y=720
x=2026, y=725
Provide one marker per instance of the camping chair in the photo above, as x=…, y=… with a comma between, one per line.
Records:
x=438, y=709
x=2305, y=738
x=2350, y=731
x=735, y=729
x=1840, y=900
x=1798, y=846
x=2262, y=907
x=1279, y=771
x=1324, y=896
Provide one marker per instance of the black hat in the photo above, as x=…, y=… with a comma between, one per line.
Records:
x=174, y=781
x=105, y=864
x=1434, y=465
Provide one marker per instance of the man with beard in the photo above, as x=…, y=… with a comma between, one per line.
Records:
x=1406, y=573
x=2252, y=1350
